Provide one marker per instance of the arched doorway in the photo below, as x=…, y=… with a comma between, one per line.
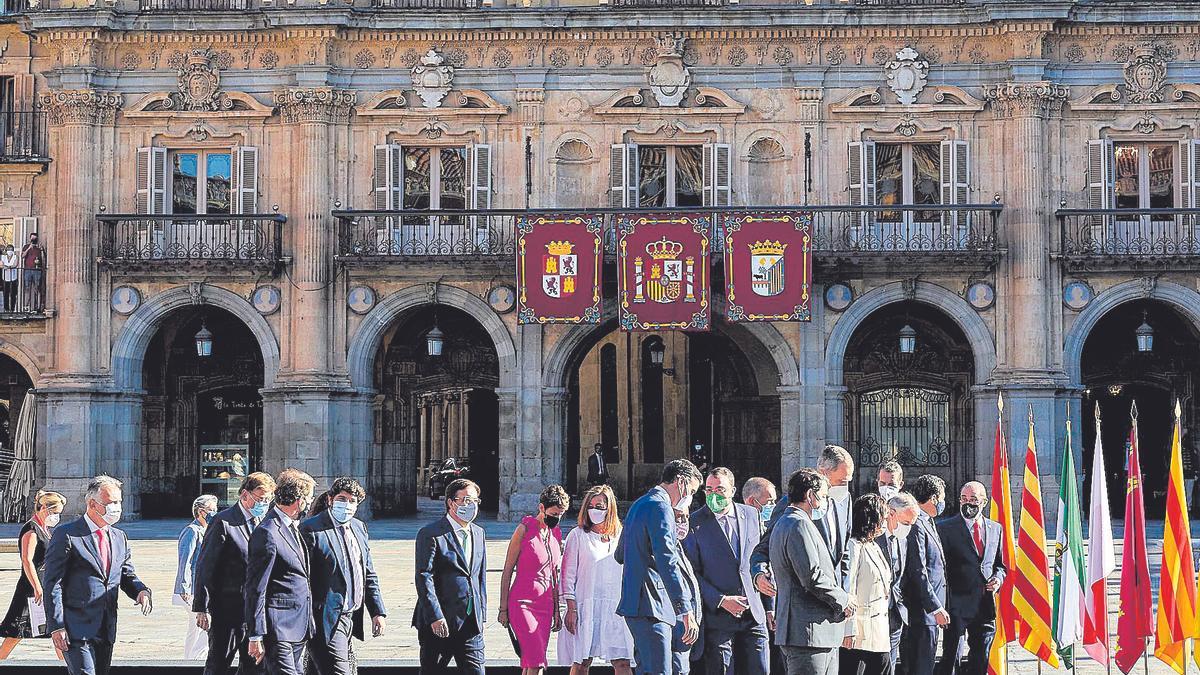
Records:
x=14, y=385
x=202, y=415
x=911, y=402
x=1116, y=374
x=434, y=408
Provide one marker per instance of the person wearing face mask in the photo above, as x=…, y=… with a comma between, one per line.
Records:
x=88, y=563
x=974, y=570
x=33, y=261
x=195, y=642
x=529, y=591
x=32, y=541
x=924, y=581
x=891, y=479
x=761, y=494
x=811, y=606
x=866, y=649
x=217, y=597
x=451, y=582
x=278, y=596
x=684, y=653
x=591, y=583
x=10, y=266
x=901, y=514
x=653, y=596
x=342, y=577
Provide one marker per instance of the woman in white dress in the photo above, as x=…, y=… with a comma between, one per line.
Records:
x=591, y=584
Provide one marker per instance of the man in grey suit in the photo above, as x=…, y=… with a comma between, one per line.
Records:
x=811, y=607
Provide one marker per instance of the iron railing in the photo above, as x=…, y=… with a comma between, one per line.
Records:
x=1132, y=235
x=667, y=3
x=873, y=231
x=8, y=7
x=24, y=137
x=425, y=4
x=935, y=453
x=194, y=5
x=241, y=240
x=22, y=289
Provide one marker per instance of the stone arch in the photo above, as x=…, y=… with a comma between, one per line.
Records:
x=364, y=345
x=130, y=346
x=1185, y=300
x=983, y=344
x=23, y=358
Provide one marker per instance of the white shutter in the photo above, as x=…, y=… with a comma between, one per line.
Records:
x=861, y=175
x=955, y=179
x=481, y=176
x=707, y=197
x=387, y=177
x=1189, y=173
x=151, y=177
x=23, y=226
x=245, y=173
x=1100, y=174
x=623, y=176
x=718, y=189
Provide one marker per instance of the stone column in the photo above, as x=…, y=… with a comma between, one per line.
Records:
x=554, y=434
x=791, y=419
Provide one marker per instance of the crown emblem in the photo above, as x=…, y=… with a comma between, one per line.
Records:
x=560, y=247
x=664, y=249
x=767, y=247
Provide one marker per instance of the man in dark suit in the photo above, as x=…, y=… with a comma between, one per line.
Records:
x=87, y=563
x=684, y=654
x=451, y=585
x=279, y=616
x=218, y=599
x=902, y=513
x=723, y=535
x=924, y=582
x=343, y=578
x=974, y=570
x=650, y=553
x=597, y=467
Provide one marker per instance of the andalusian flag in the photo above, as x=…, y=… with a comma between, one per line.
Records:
x=1133, y=617
x=1006, y=615
x=1177, y=581
x=1068, y=560
x=1031, y=589
x=1102, y=560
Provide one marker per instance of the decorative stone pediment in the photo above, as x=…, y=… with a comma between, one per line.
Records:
x=699, y=101
x=1148, y=122
x=909, y=126
x=669, y=78
x=165, y=104
x=431, y=78
x=198, y=131
x=1145, y=75
x=468, y=103
x=907, y=74
x=1110, y=99
x=672, y=129
x=937, y=99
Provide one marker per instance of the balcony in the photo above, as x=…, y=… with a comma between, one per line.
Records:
x=427, y=4
x=22, y=292
x=169, y=243
x=194, y=5
x=24, y=138
x=11, y=7
x=1123, y=239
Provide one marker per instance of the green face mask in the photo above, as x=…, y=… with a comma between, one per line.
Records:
x=717, y=502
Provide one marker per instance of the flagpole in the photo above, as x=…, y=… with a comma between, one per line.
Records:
x=1107, y=648
x=1038, y=660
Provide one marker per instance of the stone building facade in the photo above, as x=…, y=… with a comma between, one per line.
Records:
x=251, y=169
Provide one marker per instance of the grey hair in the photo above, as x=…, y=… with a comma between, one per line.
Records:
x=203, y=502
x=832, y=457
x=99, y=483
x=756, y=487
x=901, y=501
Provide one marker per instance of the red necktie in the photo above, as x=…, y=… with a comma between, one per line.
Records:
x=103, y=546
x=979, y=538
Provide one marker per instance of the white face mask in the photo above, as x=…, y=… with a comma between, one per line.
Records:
x=888, y=491
x=902, y=531
x=839, y=493
x=52, y=519
x=684, y=502
x=112, y=513
x=597, y=516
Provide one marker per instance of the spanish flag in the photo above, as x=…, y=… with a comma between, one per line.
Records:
x=1177, y=581
x=1031, y=588
x=1006, y=614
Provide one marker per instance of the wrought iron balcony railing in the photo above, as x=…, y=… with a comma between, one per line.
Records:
x=24, y=137
x=194, y=5
x=839, y=232
x=8, y=7
x=22, y=289
x=1130, y=237
x=132, y=241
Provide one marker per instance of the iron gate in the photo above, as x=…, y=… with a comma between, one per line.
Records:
x=908, y=424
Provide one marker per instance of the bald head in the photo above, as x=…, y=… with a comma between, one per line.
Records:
x=973, y=491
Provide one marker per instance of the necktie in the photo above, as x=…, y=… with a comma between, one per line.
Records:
x=978, y=538
x=102, y=545
x=727, y=524
x=464, y=539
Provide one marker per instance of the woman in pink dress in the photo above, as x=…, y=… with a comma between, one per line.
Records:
x=529, y=603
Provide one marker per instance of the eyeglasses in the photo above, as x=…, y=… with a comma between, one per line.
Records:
x=719, y=490
x=466, y=501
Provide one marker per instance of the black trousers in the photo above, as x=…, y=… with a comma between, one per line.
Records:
x=741, y=652
x=283, y=658
x=224, y=640
x=918, y=650
x=88, y=657
x=976, y=636
x=10, y=295
x=332, y=657
x=859, y=662
x=464, y=646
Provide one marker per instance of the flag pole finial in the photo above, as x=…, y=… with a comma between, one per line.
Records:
x=1133, y=410
x=1097, y=412
x=1000, y=401
x=1031, y=413
x=1178, y=410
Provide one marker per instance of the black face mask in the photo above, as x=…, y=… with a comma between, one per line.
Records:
x=969, y=511
x=551, y=521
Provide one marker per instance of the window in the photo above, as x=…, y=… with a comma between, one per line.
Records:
x=201, y=182
x=1141, y=175
x=434, y=178
x=219, y=181
x=907, y=173
x=1144, y=175
x=655, y=176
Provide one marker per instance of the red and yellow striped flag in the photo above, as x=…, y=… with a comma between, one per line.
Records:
x=1031, y=588
x=1177, y=582
x=1006, y=615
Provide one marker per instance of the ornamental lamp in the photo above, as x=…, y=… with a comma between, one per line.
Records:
x=1145, y=336
x=434, y=340
x=908, y=339
x=204, y=341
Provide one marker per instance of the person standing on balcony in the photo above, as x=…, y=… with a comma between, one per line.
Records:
x=33, y=262
x=10, y=263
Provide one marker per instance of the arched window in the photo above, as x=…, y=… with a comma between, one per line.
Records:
x=652, y=403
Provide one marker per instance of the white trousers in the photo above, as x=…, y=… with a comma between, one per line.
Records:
x=195, y=642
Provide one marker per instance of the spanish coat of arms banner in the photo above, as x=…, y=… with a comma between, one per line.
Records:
x=768, y=266
x=558, y=268
x=663, y=268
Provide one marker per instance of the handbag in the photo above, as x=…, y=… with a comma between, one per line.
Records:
x=513, y=637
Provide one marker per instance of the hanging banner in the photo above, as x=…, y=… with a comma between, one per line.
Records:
x=663, y=263
x=558, y=268
x=768, y=266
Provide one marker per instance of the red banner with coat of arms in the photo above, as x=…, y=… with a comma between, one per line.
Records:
x=768, y=266
x=663, y=270
x=558, y=268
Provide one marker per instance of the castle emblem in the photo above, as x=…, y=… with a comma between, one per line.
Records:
x=667, y=278
x=766, y=267
x=560, y=269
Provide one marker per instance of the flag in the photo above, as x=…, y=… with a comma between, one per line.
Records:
x=1006, y=615
x=1133, y=617
x=1031, y=589
x=1068, y=560
x=1101, y=558
x=1177, y=581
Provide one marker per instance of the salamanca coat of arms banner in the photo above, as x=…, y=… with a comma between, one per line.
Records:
x=768, y=266
x=558, y=268
x=663, y=268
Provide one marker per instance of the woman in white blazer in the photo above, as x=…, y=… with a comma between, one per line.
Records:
x=867, y=647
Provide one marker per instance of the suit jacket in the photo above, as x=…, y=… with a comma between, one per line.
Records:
x=925, y=573
x=330, y=571
x=838, y=523
x=651, y=581
x=870, y=584
x=760, y=560
x=277, y=595
x=596, y=473
x=221, y=568
x=719, y=572
x=810, y=606
x=967, y=572
x=691, y=588
x=446, y=579
x=77, y=593
x=897, y=555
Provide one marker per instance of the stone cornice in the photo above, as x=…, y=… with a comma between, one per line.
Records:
x=81, y=106
x=1026, y=99
x=319, y=104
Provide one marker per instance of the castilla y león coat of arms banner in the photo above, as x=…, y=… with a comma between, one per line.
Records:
x=768, y=266
x=663, y=268
x=558, y=268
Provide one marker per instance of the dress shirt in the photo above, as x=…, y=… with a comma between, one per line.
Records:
x=105, y=556
x=971, y=525
x=354, y=599
x=249, y=516
x=728, y=523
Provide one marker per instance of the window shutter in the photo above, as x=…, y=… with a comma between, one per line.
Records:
x=481, y=176
x=151, y=177
x=1100, y=174
x=955, y=179
x=623, y=176
x=246, y=175
x=861, y=170
x=25, y=226
x=709, y=175
x=1189, y=173
x=387, y=177
x=718, y=189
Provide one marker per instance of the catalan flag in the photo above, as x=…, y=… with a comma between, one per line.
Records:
x=1006, y=614
x=1102, y=559
x=1031, y=589
x=1177, y=581
x=1133, y=619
